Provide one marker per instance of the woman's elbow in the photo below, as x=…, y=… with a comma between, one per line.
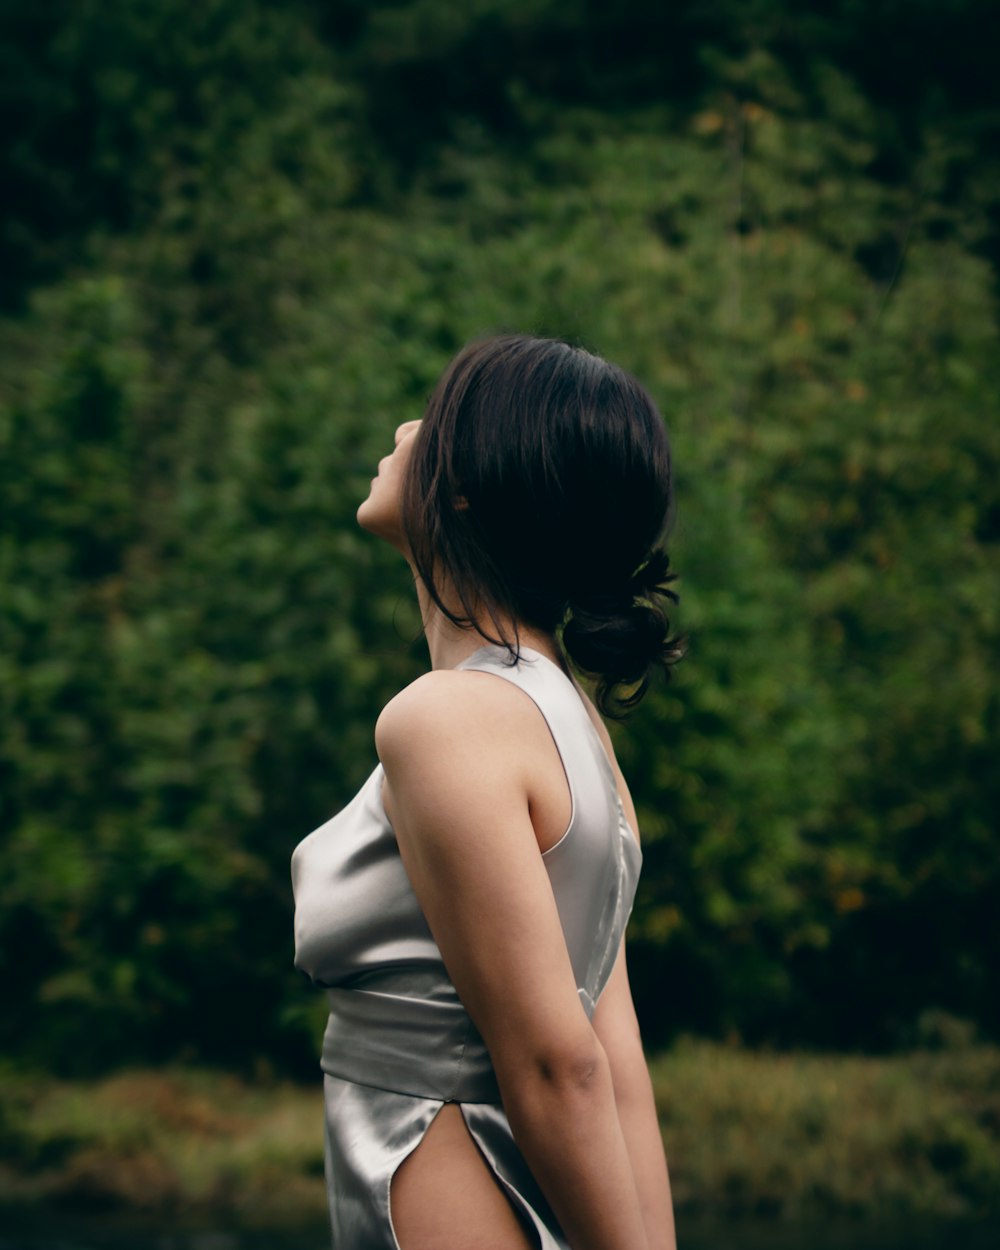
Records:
x=559, y=1068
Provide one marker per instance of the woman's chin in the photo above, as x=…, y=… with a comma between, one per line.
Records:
x=375, y=521
x=371, y=517
x=361, y=516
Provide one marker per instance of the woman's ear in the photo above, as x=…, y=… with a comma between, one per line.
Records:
x=461, y=503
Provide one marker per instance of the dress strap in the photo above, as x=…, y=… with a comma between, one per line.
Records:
x=594, y=867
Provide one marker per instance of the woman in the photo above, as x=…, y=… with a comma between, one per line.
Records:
x=484, y=1079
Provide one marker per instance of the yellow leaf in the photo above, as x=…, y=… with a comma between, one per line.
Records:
x=708, y=123
x=849, y=900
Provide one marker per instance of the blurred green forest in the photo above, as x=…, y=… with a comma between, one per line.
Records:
x=241, y=239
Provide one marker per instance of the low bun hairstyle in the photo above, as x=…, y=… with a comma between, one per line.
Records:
x=538, y=491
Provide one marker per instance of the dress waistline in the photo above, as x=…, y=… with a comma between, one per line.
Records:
x=413, y=1046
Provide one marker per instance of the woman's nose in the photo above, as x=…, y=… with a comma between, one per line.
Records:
x=406, y=428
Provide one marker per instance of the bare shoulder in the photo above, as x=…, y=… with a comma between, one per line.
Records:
x=459, y=751
x=463, y=708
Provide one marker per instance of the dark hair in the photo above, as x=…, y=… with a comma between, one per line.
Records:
x=539, y=487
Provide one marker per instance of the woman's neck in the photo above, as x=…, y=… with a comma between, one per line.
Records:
x=450, y=644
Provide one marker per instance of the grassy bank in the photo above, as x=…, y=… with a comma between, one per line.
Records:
x=793, y=1136
x=810, y=1136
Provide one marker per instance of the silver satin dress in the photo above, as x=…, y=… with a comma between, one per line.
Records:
x=399, y=1043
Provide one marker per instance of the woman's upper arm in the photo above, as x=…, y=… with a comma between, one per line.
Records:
x=616, y=1025
x=455, y=749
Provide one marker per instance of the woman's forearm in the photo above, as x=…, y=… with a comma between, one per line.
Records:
x=640, y=1126
x=618, y=1032
x=565, y=1121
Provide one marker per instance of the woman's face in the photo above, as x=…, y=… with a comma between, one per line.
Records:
x=381, y=512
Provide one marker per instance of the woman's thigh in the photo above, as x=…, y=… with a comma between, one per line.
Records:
x=445, y=1196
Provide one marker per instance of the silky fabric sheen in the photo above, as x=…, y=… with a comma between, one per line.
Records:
x=399, y=1044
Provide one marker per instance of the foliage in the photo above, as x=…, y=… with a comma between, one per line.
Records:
x=248, y=237
x=799, y=1138
x=810, y=1136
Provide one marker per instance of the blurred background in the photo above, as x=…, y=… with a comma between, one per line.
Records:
x=240, y=240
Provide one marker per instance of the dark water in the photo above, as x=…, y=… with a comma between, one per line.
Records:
x=39, y=1232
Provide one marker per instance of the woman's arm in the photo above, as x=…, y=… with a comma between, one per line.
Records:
x=618, y=1030
x=457, y=748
